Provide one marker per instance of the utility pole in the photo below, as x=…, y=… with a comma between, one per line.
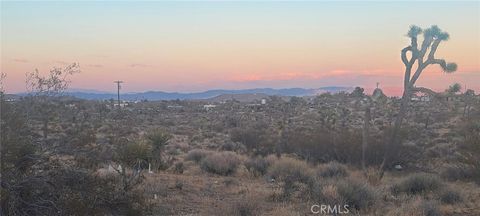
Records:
x=118, y=91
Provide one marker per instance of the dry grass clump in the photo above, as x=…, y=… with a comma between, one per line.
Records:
x=333, y=169
x=459, y=173
x=291, y=169
x=291, y=172
x=418, y=183
x=325, y=193
x=420, y=207
x=450, y=196
x=197, y=155
x=222, y=163
x=416, y=207
x=356, y=194
x=257, y=166
x=244, y=207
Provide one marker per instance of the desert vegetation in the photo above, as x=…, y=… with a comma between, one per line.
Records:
x=379, y=155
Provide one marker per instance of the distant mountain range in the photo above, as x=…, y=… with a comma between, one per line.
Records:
x=159, y=95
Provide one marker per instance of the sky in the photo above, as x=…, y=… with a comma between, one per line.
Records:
x=196, y=46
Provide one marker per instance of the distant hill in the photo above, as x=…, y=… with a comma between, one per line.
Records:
x=238, y=97
x=159, y=95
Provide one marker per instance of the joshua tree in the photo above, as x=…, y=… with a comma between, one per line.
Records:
x=421, y=57
x=453, y=89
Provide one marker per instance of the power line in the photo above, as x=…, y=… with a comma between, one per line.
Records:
x=118, y=91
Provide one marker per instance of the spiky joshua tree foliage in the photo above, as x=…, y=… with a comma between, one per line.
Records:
x=419, y=59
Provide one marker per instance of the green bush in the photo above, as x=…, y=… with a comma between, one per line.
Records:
x=450, y=196
x=417, y=184
x=197, y=155
x=223, y=163
x=333, y=169
x=356, y=194
x=158, y=139
x=132, y=152
x=456, y=173
x=430, y=208
x=179, y=167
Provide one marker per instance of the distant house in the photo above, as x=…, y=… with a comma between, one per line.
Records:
x=208, y=107
x=10, y=98
x=422, y=98
x=123, y=104
x=71, y=105
x=174, y=107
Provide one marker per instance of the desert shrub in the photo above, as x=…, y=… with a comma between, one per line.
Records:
x=430, y=208
x=158, y=139
x=356, y=194
x=417, y=184
x=290, y=169
x=232, y=146
x=414, y=207
x=450, y=196
x=179, y=185
x=197, y=155
x=255, y=138
x=455, y=173
x=322, y=192
x=333, y=169
x=230, y=181
x=470, y=147
x=323, y=145
x=130, y=153
x=257, y=166
x=223, y=163
x=179, y=167
x=244, y=207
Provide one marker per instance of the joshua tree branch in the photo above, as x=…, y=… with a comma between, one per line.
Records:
x=426, y=43
x=404, y=55
x=435, y=44
x=440, y=62
x=414, y=44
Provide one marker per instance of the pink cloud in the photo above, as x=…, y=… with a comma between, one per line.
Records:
x=21, y=60
x=306, y=75
x=95, y=65
x=140, y=65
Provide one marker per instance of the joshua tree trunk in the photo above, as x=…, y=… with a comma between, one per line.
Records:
x=432, y=38
x=393, y=140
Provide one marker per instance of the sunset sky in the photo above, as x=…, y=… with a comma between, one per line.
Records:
x=196, y=46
